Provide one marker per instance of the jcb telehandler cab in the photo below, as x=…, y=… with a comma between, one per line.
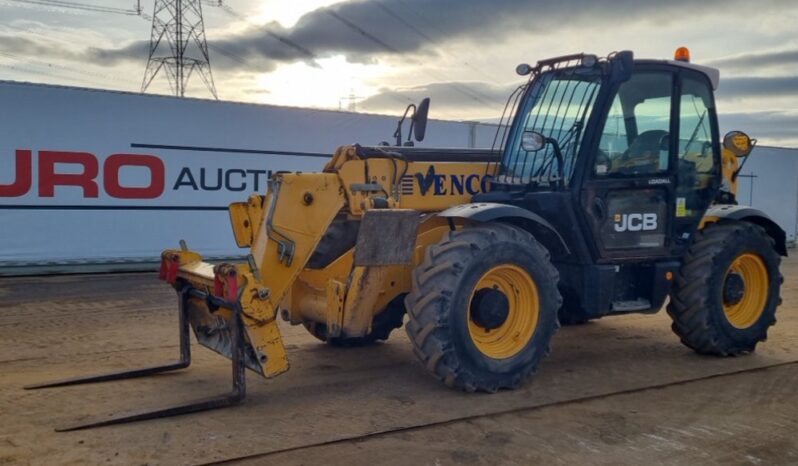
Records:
x=611, y=191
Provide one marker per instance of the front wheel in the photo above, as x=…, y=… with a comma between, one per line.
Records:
x=726, y=294
x=483, y=307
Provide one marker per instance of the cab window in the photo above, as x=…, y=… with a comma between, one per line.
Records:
x=636, y=136
x=696, y=155
x=695, y=133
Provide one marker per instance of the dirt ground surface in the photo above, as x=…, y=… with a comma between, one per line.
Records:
x=621, y=390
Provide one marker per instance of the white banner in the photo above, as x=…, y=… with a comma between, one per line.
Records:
x=107, y=177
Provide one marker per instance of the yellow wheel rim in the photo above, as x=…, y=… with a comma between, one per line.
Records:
x=746, y=311
x=509, y=338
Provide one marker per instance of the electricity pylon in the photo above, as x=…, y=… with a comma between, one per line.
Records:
x=178, y=46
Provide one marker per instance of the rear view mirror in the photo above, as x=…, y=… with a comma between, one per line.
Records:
x=419, y=120
x=738, y=143
x=418, y=123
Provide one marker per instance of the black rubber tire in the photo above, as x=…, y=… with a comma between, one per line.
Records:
x=439, y=301
x=384, y=323
x=696, y=304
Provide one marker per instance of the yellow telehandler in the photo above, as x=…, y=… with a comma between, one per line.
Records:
x=609, y=190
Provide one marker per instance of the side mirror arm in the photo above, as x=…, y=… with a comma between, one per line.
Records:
x=742, y=164
x=398, y=133
x=560, y=160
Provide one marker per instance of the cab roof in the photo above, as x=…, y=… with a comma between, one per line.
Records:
x=712, y=73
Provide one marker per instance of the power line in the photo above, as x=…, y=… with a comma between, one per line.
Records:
x=280, y=38
x=52, y=75
x=161, y=37
x=406, y=23
x=473, y=94
x=48, y=37
x=304, y=50
x=425, y=36
x=110, y=78
x=359, y=30
x=459, y=87
x=231, y=55
x=78, y=6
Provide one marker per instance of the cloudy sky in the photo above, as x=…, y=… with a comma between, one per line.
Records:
x=384, y=54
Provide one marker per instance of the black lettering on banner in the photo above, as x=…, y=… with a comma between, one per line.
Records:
x=185, y=178
x=204, y=185
x=256, y=178
x=234, y=179
x=242, y=186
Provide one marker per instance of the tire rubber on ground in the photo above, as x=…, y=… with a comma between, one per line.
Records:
x=725, y=295
x=442, y=325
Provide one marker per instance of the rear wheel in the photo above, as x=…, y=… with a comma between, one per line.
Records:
x=384, y=323
x=726, y=294
x=483, y=307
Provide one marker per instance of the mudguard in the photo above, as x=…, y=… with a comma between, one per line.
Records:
x=493, y=211
x=749, y=214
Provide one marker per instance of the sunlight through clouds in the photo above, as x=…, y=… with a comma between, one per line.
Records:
x=386, y=53
x=285, y=13
x=299, y=84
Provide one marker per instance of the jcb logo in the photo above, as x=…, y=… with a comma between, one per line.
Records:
x=635, y=222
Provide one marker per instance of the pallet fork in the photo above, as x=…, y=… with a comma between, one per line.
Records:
x=238, y=368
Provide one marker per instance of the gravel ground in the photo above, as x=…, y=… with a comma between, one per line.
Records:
x=619, y=390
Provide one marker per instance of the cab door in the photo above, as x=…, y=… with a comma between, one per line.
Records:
x=629, y=190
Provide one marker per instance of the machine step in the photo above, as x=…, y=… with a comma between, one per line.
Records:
x=635, y=305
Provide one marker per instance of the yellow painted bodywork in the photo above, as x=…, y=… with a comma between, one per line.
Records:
x=706, y=220
x=316, y=294
x=454, y=182
x=285, y=226
x=245, y=218
x=729, y=163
